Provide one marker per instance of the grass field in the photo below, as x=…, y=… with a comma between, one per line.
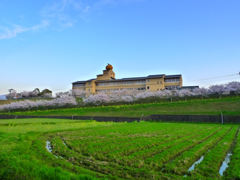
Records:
x=6, y=101
x=227, y=105
x=68, y=149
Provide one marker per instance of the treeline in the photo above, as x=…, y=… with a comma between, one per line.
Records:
x=124, y=96
x=13, y=94
x=68, y=99
x=63, y=101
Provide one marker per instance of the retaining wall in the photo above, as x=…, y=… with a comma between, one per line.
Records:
x=195, y=118
x=97, y=118
x=156, y=118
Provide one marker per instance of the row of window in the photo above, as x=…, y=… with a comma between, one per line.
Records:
x=79, y=85
x=171, y=87
x=112, y=90
x=142, y=82
x=121, y=83
x=143, y=88
x=172, y=80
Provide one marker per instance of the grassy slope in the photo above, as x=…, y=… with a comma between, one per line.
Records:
x=227, y=105
x=6, y=101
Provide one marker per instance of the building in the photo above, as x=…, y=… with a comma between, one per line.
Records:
x=3, y=97
x=106, y=82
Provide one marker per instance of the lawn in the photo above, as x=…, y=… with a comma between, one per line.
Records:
x=70, y=149
x=227, y=105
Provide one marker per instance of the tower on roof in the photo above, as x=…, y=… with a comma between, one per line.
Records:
x=109, y=67
x=108, y=74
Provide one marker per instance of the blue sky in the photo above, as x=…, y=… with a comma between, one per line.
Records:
x=51, y=43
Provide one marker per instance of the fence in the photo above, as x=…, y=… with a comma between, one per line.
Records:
x=195, y=118
x=156, y=118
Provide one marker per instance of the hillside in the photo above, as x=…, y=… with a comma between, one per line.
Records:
x=227, y=105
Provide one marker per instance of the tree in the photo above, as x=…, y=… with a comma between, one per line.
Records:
x=35, y=93
x=46, y=93
x=217, y=89
x=233, y=87
x=12, y=94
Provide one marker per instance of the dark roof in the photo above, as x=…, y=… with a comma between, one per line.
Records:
x=155, y=76
x=173, y=76
x=79, y=82
x=130, y=79
x=189, y=87
x=82, y=82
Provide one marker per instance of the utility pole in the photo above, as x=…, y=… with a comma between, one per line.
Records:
x=222, y=117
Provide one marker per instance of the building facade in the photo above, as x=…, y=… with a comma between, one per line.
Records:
x=106, y=82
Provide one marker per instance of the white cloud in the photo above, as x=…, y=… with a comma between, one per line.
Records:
x=8, y=33
x=61, y=14
x=65, y=13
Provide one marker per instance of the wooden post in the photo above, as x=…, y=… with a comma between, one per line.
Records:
x=141, y=118
x=222, y=117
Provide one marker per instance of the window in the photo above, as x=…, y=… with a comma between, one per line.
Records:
x=79, y=85
x=117, y=83
x=172, y=80
x=172, y=87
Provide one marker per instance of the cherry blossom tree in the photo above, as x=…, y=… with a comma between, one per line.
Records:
x=12, y=94
x=28, y=104
x=217, y=89
x=233, y=87
x=79, y=93
x=117, y=96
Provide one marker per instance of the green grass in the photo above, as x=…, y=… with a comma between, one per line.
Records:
x=19, y=159
x=227, y=105
x=214, y=158
x=6, y=101
x=233, y=171
x=107, y=150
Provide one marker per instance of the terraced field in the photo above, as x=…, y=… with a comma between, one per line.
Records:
x=66, y=149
